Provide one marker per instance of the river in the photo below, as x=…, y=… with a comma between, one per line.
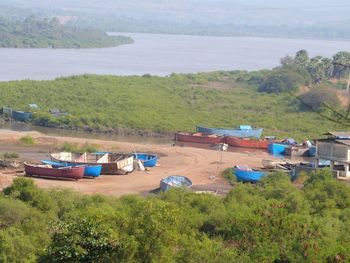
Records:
x=159, y=55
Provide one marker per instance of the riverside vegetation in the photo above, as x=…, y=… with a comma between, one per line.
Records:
x=273, y=221
x=267, y=98
x=45, y=33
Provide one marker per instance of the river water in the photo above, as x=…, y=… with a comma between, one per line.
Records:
x=159, y=55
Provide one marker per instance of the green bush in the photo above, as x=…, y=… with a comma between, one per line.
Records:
x=316, y=98
x=285, y=79
x=27, y=140
x=10, y=155
x=75, y=147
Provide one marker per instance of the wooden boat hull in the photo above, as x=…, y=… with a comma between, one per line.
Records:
x=198, y=138
x=112, y=163
x=247, y=143
x=148, y=160
x=243, y=175
x=174, y=182
x=47, y=171
x=21, y=115
x=242, y=133
x=89, y=170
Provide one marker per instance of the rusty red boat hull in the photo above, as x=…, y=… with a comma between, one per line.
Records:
x=198, y=138
x=47, y=171
x=248, y=143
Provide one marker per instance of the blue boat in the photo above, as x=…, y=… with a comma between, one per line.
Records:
x=244, y=131
x=90, y=170
x=246, y=174
x=174, y=181
x=21, y=115
x=278, y=149
x=148, y=160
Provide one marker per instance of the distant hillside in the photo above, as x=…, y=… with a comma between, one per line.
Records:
x=45, y=33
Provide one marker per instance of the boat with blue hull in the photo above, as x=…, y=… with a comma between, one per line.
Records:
x=175, y=181
x=21, y=115
x=148, y=160
x=243, y=131
x=247, y=174
x=278, y=149
x=89, y=170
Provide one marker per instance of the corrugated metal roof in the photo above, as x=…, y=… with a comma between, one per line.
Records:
x=346, y=142
x=339, y=134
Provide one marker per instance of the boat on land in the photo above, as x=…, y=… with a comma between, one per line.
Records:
x=89, y=170
x=244, y=173
x=148, y=160
x=175, y=181
x=112, y=163
x=277, y=148
x=243, y=131
x=248, y=143
x=21, y=115
x=198, y=138
x=48, y=171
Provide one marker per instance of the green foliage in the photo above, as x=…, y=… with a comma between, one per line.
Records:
x=27, y=140
x=9, y=155
x=34, y=33
x=285, y=79
x=273, y=221
x=316, y=99
x=75, y=147
x=164, y=104
x=82, y=241
x=229, y=176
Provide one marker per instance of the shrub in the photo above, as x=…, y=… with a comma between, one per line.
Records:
x=27, y=140
x=316, y=99
x=285, y=79
x=229, y=176
x=74, y=147
x=10, y=155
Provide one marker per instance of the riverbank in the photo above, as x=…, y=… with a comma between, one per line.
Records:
x=202, y=166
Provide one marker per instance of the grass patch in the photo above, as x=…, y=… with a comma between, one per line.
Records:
x=9, y=155
x=27, y=140
x=75, y=147
x=229, y=176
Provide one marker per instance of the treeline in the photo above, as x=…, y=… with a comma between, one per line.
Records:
x=49, y=33
x=270, y=222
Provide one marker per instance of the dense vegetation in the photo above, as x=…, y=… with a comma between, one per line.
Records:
x=271, y=222
x=165, y=104
x=34, y=33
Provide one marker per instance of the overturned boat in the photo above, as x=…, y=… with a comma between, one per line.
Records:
x=148, y=160
x=243, y=131
x=175, y=181
x=112, y=163
x=244, y=173
x=48, y=171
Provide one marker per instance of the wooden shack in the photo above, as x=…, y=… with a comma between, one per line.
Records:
x=336, y=149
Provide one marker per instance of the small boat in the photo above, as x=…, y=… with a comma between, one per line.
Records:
x=112, y=163
x=243, y=131
x=277, y=149
x=148, y=160
x=198, y=138
x=21, y=115
x=89, y=171
x=43, y=170
x=175, y=182
x=270, y=164
x=248, y=143
x=247, y=174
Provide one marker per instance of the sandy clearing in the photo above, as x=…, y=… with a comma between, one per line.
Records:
x=196, y=163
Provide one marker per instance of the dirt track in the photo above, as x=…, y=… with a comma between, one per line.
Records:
x=202, y=166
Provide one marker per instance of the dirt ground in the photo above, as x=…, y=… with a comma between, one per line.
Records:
x=202, y=166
